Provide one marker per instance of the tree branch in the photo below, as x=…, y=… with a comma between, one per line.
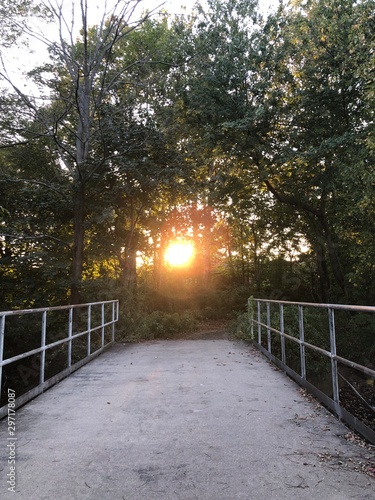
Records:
x=293, y=201
x=41, y=183
x=39, y=237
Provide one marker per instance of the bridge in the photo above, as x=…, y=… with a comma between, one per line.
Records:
x=181, y=419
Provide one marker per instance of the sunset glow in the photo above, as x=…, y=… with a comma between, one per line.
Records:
x=179, y=253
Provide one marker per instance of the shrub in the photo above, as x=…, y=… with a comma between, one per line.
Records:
x=240, y=327
x=157, y=325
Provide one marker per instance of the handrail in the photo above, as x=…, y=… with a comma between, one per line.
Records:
x=322, y=306
x=267, y=329
x=107, y=314
x=18, y=312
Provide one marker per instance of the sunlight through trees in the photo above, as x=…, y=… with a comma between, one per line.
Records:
x=248, y=135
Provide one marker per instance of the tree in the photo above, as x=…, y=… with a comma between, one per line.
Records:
x=321, y=119
x=286, y=100
x=35, y=219
x=79, y=81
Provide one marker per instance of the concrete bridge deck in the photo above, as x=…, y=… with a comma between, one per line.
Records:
x=181, y=420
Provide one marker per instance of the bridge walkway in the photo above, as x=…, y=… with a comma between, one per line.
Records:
x=182, y=420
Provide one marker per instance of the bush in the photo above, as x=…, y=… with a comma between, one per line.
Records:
x=240, y=327
x=157, y=325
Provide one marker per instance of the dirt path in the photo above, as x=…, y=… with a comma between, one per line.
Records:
x=209, y=330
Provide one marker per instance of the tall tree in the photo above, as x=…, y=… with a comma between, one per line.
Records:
x=313, y=54
x=78, y=82
x=288, y=100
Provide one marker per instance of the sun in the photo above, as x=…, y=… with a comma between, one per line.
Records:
x=179, y=253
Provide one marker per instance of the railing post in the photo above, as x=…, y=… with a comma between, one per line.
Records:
x=335, y=378
x=250, y=315
x=103, y=321
x=302, y=342
x=89, y=330
x=113, y=322
x=76, y=329
x=268, y=327
x=43, y=346
x=259, y=327
x=2, y=334
x=70, y=333
x=282, y=338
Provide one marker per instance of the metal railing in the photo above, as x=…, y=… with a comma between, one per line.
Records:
x=88, y=329
x=286, y=341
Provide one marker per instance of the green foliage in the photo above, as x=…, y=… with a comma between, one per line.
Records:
x=356, y=337
x=240, y=327
x=255, y=138
x=156, y=325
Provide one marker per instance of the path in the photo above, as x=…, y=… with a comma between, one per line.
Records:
x=182, y=420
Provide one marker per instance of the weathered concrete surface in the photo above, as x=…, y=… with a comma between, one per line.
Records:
x=181, y=420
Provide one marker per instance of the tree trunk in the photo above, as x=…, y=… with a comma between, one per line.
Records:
x=159, y=249
x=207, y=230
x=336, y=265
x=78, y=245
x=129, y=271
x=322, y=271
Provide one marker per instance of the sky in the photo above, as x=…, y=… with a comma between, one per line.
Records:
x=15, y=59
x=180, y=6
